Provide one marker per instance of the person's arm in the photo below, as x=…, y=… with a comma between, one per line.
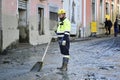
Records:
x=67, y=27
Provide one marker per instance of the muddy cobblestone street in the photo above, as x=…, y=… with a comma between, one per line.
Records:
x=96, y=59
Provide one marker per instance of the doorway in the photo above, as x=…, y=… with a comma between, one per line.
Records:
x=22, y=22
x=22, y=25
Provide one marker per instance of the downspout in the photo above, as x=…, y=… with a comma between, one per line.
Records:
x=69, y=10
x=84, y=18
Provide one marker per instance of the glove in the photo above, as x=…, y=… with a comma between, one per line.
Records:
x=64, y=39
x=63, y=43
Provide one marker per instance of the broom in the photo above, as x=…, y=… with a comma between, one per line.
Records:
x=38, y=65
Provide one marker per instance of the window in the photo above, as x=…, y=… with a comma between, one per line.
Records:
x=112, y=0
x=53, y=20
x=101, y=10
x=22, y=4
x=41, y=21
x=93, y=10
x=107, y=8
x=112, y=12
x=118, y=1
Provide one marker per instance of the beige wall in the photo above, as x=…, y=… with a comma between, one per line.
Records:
x=9, y=22
x=35, y=38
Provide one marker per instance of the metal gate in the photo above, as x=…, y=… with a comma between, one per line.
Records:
x=22, y=4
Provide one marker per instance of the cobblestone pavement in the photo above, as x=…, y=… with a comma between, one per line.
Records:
x=95, y=59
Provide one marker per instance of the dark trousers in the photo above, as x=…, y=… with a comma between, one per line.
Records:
x=109, y=31
x=64, y=49
x=116, y=32
x=106, y=28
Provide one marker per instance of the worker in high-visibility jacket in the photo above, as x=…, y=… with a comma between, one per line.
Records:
x=63, y=32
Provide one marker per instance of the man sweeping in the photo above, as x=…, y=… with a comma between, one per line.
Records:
x=63, y=32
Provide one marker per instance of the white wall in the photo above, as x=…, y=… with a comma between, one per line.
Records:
x=9, y=23
x=67, y=5
x=35, y=38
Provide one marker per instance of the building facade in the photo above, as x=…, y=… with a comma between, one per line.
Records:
x=9, y=32
x=42, y=19
x=86, y=18
x=27, y=21
x=32, y=21
x=96, y=11
x=74, y=13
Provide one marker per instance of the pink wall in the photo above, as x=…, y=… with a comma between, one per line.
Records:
x=33, y=7
x=88, y=12
x=58, y=2
x=82, y=12
x=35, y=3
x=11, y=8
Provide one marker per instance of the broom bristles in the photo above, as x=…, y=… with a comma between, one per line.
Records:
x=37, y=67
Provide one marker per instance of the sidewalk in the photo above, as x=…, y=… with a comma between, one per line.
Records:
x=90, y=38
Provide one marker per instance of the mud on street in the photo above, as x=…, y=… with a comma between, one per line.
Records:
x=97, y=59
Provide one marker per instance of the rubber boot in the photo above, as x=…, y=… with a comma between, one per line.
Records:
x=64, y=68
x=64, y=64
x=61, y=66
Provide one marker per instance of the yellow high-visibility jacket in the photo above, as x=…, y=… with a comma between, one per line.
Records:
x=64, y=27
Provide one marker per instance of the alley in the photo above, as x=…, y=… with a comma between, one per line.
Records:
x=96, y=59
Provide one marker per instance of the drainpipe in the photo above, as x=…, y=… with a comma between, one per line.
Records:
x=69, y=9
x=84, y=18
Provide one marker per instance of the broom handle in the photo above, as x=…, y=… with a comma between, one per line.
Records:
x=46, y=49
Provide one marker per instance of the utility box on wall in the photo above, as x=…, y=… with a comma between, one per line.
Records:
x=93, y=28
